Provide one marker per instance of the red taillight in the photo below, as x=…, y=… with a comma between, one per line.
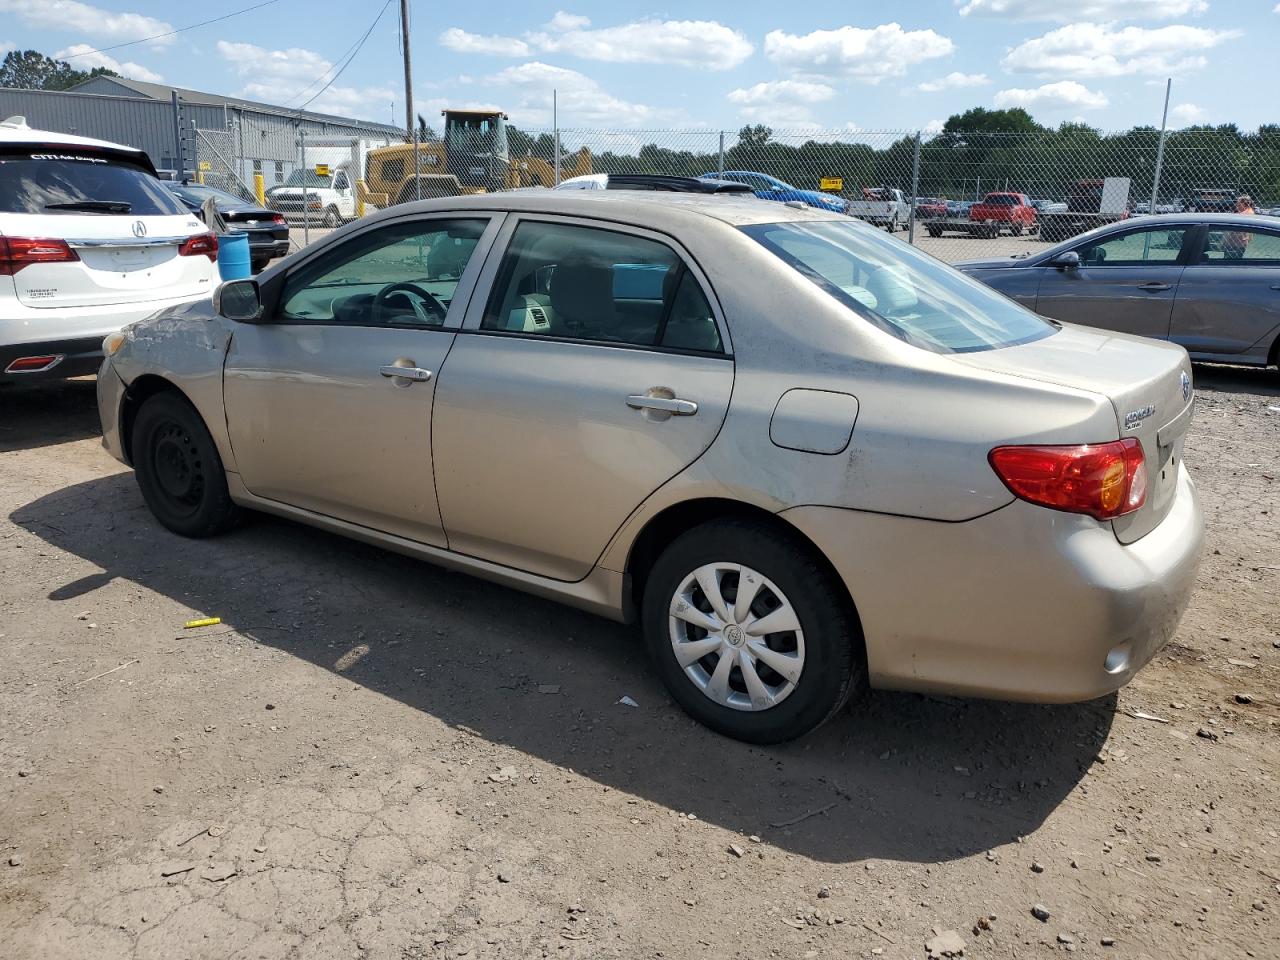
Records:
x=1104, y=480
x=202, y=244
x=34, y=364
x=19, y=252
x=279, y=218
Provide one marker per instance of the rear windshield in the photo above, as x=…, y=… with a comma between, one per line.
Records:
x=901, y=290
x=75, y=183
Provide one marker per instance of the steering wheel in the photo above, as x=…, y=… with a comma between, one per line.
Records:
x=426, y=307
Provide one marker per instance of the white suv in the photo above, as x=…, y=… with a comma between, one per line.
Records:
x=90, y=241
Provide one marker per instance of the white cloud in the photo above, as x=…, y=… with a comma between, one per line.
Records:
x=782, y=103
x=567, y=21
x=1103, y=50
x=287, y=77
x=1063, y=95
x=688, y=43
x=1185, y=114
x=6, y=46
x=933, y=128
x=869, y=54
x=582, y=101
x=464, y=42
x=1082, y=9
x=87, y=59
x=953, y=81
x=82, y=18
x=703, y=44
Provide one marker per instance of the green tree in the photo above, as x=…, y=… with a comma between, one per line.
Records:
x=982, y=120
x=32, y=70
x=754, y=136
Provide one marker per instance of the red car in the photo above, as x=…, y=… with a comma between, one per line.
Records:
x=930, y=208
x=1013, y=209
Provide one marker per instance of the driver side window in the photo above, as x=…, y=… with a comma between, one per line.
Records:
x=402, y=275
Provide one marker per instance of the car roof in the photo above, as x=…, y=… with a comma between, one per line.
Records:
x=1192, y=217
x=659, y=210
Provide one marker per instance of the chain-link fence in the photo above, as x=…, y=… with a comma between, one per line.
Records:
x=215, y=164
x=960, y=194
x=956, y=195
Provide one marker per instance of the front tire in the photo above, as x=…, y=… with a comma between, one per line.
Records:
x=770, y=668
x=332, y=218
x=178, y=468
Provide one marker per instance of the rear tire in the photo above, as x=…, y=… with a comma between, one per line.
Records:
x=332, y=218
x=823, y=657
x=935, y=231
x=178, y=468
x=257, y=266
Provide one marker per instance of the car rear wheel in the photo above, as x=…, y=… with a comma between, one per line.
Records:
x=178, y=468
x=750, y=632
x=935, y=231
x=332, y=218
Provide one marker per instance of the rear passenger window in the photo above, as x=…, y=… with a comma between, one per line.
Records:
x=1251, y=246
x=601, y=286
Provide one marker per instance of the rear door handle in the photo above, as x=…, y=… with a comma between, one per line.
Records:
x=673, y=405
x=1275, y=286
x=416, y=374
x=1153, y=286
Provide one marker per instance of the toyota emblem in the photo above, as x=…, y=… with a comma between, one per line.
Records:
x=139, y=228
x=1186, y=387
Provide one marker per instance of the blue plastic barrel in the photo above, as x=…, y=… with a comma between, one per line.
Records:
x=233, y=256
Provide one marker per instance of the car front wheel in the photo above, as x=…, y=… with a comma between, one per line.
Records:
x=178, y=468
x=750, y=632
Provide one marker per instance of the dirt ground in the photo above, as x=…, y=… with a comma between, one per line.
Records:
x=373, y=759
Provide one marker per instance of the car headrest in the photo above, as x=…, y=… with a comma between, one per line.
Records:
x=893, y=292
x=582, y=291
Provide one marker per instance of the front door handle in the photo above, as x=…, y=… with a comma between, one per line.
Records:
x=1153, y=286
x=672, y=405
x=416, y=374
x=1275, y=286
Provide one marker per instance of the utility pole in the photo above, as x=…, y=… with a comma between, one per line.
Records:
x=1164, y=129
x=409, y=125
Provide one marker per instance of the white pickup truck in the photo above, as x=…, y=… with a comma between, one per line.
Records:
x=884, y=206
x=322, y=190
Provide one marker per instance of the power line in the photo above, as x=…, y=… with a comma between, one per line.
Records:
x=173, y=33
x=350, y=51
x=359, y=45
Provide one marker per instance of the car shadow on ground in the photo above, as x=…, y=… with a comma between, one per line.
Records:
x=901, y=776
x=1225, y=379
x=41, y=414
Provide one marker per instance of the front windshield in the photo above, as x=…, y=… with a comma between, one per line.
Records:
x=899, y=289
x=308, y=178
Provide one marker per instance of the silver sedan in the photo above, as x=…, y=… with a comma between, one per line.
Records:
x=1209, y=282
x=806, y=457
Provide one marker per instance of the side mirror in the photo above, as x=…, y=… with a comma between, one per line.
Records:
x=238, y=300
x=1069, y=260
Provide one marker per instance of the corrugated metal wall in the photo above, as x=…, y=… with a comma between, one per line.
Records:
x=148, y=124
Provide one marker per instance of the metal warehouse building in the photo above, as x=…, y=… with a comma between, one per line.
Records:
x=228, y=137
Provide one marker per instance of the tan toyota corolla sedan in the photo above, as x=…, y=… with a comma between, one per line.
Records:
x=804, y=455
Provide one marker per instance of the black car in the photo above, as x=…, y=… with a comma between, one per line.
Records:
x=268, y=230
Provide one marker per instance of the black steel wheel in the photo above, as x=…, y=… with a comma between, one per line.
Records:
x=178, y=468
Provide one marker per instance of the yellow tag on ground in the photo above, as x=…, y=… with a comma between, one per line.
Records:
x=206, y=622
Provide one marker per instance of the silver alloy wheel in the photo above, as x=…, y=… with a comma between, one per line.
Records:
x=736, y=636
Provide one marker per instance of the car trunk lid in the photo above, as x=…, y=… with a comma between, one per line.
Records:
x=120, y=259
x=1148, y=383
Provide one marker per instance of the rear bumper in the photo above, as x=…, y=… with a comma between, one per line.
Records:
x=1021, y=604
x=74, y=358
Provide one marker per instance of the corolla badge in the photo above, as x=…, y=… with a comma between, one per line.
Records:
x=1135, y=417
x=1186, y=387
x=139, y=228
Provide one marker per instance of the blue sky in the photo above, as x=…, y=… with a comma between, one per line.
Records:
x=817, y=65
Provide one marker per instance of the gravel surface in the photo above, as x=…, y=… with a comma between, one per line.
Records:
x=373, y=758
